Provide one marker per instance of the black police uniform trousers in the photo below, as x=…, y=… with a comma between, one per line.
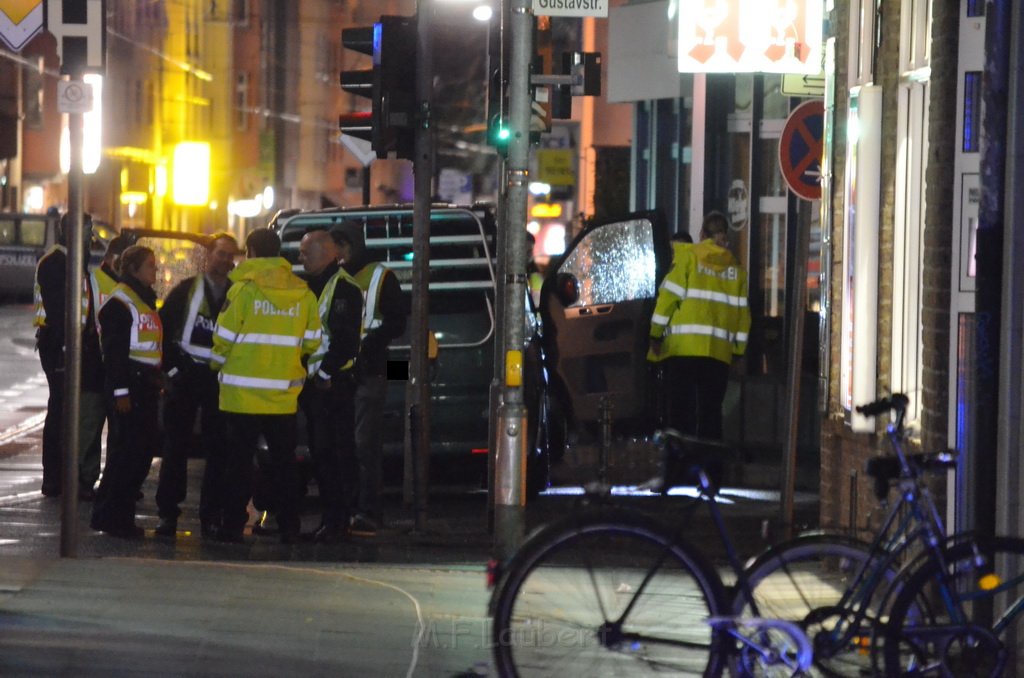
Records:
x=134, y=437
x=196, y=392
x=333, y=446
x=696, y=390
x=242, y=433
x=53, y=449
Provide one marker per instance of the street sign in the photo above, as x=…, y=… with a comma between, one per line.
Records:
x=801, y=85
x=598, y=8
x=20, y=20
x=74, y=96
x=81, y=32
x=800, y=149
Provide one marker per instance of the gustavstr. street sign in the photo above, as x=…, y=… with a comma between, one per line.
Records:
x=20, y=20
x=597, y=8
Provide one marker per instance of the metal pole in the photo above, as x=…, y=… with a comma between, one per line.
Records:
x=797, y=307
x=510, y=455
x=418, y=388
x=74, y=274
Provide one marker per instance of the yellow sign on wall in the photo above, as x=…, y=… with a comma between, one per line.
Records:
x=555, y=167
x=20, y=20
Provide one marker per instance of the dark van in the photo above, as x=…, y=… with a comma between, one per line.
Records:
x=462, y=313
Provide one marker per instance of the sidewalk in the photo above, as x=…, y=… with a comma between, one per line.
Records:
x=404, y=603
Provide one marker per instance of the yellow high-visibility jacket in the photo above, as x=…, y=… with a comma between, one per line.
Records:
x=702, y=309
x=268, y=325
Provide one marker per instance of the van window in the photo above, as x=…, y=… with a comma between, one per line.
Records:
x=614, y=263
x=33, y=232
x=7, y=232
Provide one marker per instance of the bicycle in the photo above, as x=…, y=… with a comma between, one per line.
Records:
x=610, y=591
x=912, y=601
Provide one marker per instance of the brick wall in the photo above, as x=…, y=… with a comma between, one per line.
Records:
x=845, y=492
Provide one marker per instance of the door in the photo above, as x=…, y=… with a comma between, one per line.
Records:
x=596, y=307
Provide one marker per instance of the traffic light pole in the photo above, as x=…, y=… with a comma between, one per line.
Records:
x=510, y=455
x=418, y=388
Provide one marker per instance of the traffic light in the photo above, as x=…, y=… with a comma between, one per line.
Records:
x=498, y=131
x=390, y=85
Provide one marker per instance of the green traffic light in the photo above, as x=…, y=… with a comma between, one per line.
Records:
x=504, y=134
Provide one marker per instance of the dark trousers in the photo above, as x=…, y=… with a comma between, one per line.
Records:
x=53, y=429
x=196, y=393
x=133, y=440
x=92, y=410
x=331, y=414
x=695, y=388
x=242, y=433
x=371, y=392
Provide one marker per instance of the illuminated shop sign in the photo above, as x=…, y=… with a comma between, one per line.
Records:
x=729, y=36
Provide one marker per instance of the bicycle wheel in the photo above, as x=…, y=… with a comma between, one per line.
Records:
x=607, y=593
x=977, y=637
x=803, y=581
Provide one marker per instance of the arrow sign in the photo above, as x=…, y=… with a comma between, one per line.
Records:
x=20, y=21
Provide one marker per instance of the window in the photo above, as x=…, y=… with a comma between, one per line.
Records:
x=32, y=94
x=240, y=12
x=908, y=236
x=242, y=102
x=614, y=263
x=865, y=31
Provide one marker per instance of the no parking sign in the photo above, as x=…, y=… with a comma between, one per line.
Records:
x=800, y=149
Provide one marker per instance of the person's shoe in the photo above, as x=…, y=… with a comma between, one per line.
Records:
x=129, y=531
x=326, y=534
x=263, y=526
x=361, y=526
x=167, y=527
x=51, y=492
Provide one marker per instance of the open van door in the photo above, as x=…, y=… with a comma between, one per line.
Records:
x=596, y=306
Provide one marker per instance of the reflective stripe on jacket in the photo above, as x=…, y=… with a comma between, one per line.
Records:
x=324, y=310
x=702, y=308
x=369, y=280
x=145, y=345
x=268, y=323
x=200, y=324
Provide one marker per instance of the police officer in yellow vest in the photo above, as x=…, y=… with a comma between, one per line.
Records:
x=330, y=389
x=131, y=336
x=384, y=316
x=49, y=296
x=699, y=326
x=189, y=315
x=267, y=328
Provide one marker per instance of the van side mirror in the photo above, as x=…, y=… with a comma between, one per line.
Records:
x=567, y=288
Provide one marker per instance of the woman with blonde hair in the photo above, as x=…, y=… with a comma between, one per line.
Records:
x=131, y=336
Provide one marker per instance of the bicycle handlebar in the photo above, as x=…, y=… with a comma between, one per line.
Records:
x=897, y=401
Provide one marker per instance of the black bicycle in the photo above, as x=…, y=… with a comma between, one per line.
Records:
x=912, y=601
x=611, y=592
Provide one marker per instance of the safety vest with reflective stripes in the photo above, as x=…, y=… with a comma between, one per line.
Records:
x=145, y=344
x=268, y=323
x=197, y=331
x=39, y=316
x=702, y=309
x=324, y=306
x=102, y=287
x=369, y=279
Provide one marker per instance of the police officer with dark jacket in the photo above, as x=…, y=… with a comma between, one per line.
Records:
x=384, y=315
x=328, y=394
x=131, y=339
x=189, y=317
x=50, y=304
